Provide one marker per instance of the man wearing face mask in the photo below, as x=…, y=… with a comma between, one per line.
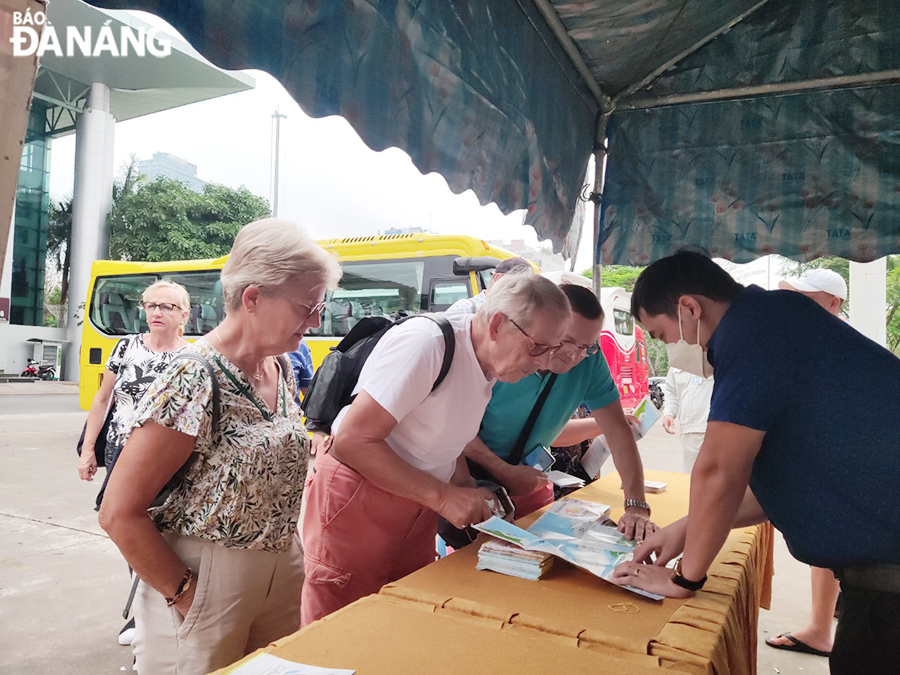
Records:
x=578, y=372
x=789, y=439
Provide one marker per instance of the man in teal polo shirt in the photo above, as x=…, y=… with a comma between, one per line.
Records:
x=582, y=376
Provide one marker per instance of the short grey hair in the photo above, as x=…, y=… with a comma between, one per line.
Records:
x=275, y=253
x=522, y=296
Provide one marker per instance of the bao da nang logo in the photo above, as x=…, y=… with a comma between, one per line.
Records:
x=27, y=41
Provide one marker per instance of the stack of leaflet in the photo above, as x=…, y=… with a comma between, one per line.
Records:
x=499, y=556
x=654, y=487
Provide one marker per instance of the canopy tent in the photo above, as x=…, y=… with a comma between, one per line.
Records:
x=774, y=137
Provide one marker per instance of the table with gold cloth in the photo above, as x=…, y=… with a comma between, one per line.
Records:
x=451, y=618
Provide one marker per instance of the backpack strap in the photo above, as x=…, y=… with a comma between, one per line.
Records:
x=519, y=448
x=449, y=344
x=216, y=394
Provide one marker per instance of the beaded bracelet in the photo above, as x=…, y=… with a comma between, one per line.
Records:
x=182, y=587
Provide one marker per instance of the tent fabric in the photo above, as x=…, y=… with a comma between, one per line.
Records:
x=793, y=41
x=625, y=41
x=481, y=93
x=793, y=175
x=487, y=95
x=802, y=175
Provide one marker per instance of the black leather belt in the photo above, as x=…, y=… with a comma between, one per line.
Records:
x=884, y=578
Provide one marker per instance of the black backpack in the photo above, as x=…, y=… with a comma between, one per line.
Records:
x=332, y=386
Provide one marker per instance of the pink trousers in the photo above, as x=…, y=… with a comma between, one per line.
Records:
x=533, y=501
x=357, y=538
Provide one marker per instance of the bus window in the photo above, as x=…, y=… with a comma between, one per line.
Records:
x=116, y=303
x=445, y=293
x=207, y=305
x=624, y=322
x=372, y=289
x=484, y=278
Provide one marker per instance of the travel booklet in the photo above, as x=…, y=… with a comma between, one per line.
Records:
x=571, y=529
x=598, y=451
x=267, y=664
x=647, y=415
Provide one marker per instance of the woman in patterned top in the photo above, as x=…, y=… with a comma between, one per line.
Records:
x=132, y=366
x=220, y=561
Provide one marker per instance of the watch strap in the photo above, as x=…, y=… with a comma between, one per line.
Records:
x=687, y=584
x=637, y=503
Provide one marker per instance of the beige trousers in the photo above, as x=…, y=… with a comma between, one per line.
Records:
x=244, y=600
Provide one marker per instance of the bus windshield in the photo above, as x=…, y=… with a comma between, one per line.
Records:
x=116, y=307
x=368, y=288
x=371, y=288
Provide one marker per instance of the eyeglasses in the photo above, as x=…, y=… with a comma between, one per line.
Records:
x=311, y=310
x=573, y=347
x=537, y=348
x=164, y=307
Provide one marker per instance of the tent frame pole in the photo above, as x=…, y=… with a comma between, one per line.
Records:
x=571, y=49
x=600, y=154
x=637, y=86
x=822, y=84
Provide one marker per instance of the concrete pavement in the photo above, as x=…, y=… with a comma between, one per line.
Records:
x=63, y=583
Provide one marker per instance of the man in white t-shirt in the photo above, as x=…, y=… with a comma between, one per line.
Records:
x=687, y=398
x=396, y=459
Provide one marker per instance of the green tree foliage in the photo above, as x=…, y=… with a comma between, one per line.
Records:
x=617, y=276
x=59, y=236
x=624, y=276
x=893, y=304
x=165, y=220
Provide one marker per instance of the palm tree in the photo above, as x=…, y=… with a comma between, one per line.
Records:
x=59, y=230
x=59, y=238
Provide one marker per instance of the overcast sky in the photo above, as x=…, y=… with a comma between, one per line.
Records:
x=330, y=180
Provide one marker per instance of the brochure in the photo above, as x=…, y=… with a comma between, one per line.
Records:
x=647, y=415
x=598, y=452
x=267, y=664
x=577, y=533
x=595, y=457
x=564, y=480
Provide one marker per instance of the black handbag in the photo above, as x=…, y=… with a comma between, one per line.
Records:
x=100, y=443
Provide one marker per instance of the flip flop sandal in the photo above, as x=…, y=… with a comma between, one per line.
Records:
x=795, y=646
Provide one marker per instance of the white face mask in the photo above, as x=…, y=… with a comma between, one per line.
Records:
x=687, y=357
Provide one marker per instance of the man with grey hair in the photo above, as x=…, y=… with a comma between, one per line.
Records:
x=395, y=462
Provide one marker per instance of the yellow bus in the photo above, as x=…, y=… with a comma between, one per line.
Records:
x=382, y=275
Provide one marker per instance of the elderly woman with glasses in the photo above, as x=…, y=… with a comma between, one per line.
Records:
x=396, y=459
x=220, y=561
x=132, y=366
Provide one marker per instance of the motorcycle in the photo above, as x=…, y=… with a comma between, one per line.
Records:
x=37, y=369
x=656, y=394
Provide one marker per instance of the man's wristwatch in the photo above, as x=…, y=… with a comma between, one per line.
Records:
x=638, y=503
x=686, y=584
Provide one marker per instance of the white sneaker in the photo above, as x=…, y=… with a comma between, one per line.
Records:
x=126, y=635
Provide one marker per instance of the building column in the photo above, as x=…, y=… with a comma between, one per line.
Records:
x=91, y=203
x=868, y=299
